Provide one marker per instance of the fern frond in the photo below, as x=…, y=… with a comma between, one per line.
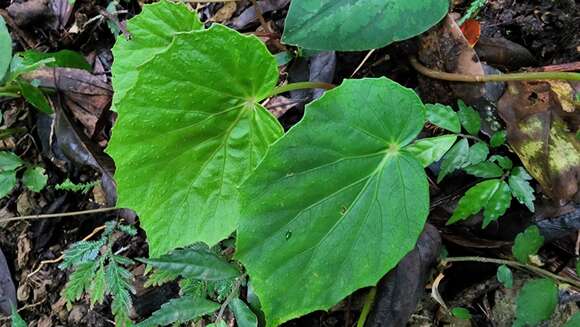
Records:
x=182, y=309
x=68, y=185
x=98, y=287
x=81, y=252
x=80, y=280
x=159, y=277
x=118, y=280
x=192, y=287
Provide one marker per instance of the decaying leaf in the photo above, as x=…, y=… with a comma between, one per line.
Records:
x=541, y=129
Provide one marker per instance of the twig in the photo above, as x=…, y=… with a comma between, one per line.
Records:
x=517, y=265
x=58, y=215
x=369, y=54
x=46, y=262
x=530, y=76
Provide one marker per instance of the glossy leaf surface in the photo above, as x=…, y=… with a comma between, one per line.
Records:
x=444, y=117
x=492, y=196
x=429, y=150
x=358, y=25
x=337, y=202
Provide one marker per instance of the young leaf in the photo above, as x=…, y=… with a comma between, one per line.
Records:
x=504, y=276
x=34, y=178
x=469, y=118
x=498, y=139
x=484, y=169
x=360, y=25
x=63, y=58
x=527, y=243
x=536, y=302
x=5, y=49
x=244, y=315
x=7, y=182
x=443, y=116
x=503, y=162
x=35, y=97
x=430, y=150
x=477, y=153
x=151, y=32
x=454, y=159
x=493, y=196
x=195, y=263
x=461, y=313
x=9, y=161
x=210, y=132
x=574, y=321
x=320, y=199
x=522, y=191
x=182, y=310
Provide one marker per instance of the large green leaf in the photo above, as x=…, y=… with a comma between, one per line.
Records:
x=358, y=25
x=189, y=131
x=194, y=263
x=337, y=202
x=151, y=32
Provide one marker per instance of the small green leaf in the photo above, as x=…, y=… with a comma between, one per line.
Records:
x=443, y=116
x=469, y=118
x=63, y=58
x=81, y=252
x=195, y=263
x=574, y=321
x=484, y=169
x=180, y=310
x=461, y=313
x=502, y=161
x=504, y=275
x=358, y=25
x=536, y=302
x=35, y=97
x=522, y=191
x=493, y=196
x=430, y=150
x=98, y=286
x=9, y=161
x=7, y=182
x=16, y=319
x=498, y=139
x=245, y=317
x=520, y=172
x=578, y=268
x=527, y=243
x=80, y=280
x=478, y=153
x=5, y=49
x=34, y=178
x=454, y=159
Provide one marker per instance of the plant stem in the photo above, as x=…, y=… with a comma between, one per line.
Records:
x=517, y=265
x=301, y=86
x=57, y=215
x=369, y=300
x=529, y=76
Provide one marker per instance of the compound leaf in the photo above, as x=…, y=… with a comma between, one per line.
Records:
x=454, y=159
x=151, y=32
x=469, y=118
x=339, y=184
x=536, y=302
x=194, y=263
x=80, y=280
x=493, y=196
x=189, y=131
x=484, y=170
x=527, y=243
x=182, y=309
x=443, y=116
x=358, y=25
x=430, y=150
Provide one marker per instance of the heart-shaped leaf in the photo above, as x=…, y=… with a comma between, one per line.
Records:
x=359, y=25
x=189, y=131
x=336, y=202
